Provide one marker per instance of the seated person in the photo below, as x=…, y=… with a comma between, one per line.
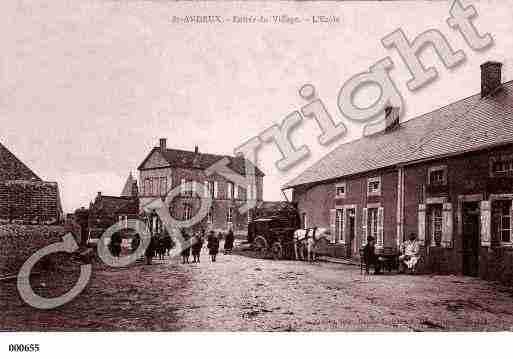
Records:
x=369, y=256
x=410, y=254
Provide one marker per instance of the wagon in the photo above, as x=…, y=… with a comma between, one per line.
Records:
x=272, y=236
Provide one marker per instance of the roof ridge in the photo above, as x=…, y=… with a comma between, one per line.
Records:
x=417, y=144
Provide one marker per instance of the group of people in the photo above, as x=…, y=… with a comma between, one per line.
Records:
x=409, y=255
x=194, y=243
x=161, y=244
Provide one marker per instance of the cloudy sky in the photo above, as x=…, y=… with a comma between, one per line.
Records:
x=88, y=87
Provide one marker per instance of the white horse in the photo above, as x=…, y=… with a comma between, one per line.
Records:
x=310, y=239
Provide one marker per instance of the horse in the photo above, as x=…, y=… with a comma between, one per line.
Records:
x=310, y=239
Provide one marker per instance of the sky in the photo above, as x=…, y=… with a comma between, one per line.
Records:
x=87, y=88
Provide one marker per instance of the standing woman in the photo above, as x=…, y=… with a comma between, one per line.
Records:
x=228, y=242
x=213, y=245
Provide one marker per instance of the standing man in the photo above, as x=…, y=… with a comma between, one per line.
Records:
x=228, y=242
x=213, y=245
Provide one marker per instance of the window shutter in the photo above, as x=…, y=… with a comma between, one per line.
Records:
x=333, y=223
x=206, y=189
x=215, y=189
x=183, y=188
x=447, y=225
x=486, y=216
x=364, y=226
x=236, y=191
x=193, y=188
x=344, y=218
x=422, y=224
x=379, y=241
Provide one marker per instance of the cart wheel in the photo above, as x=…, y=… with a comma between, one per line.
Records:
x=260, y=245
x=277, y=250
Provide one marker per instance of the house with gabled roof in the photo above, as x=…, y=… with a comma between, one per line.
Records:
x=24, y=197
x=446, y=176
x=165, y=168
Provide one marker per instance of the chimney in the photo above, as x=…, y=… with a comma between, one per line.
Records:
x=99, y=195
x=163, y=145
x=196, y=149
x=391, y=118
x=490, y=77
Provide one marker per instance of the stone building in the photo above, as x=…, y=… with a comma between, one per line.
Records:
x=164, y=169
x=446, y=176
x=24, y=197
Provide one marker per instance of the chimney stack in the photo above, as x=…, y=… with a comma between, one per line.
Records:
x=391, y=118
x=196, y=149
x=99, y=194
x=163, y=145
x=490, y=77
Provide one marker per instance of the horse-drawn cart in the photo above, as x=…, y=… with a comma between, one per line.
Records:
x=271, y=231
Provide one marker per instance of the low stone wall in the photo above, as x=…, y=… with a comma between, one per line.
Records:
x=19, y=242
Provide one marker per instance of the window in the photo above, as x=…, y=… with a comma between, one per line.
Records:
x=372, y=222
x=374, y=186
x=250, y=192
x=435, y=224
x=163, y=186
x=339, y=224
x=340, y=190
x=229, y=215
x=503, y=167
x=187, y=211
x=303, y=220
x=210, y=216
x=437, y=175
x=230, y=192
x=503, y=210
x=186, y=188
x=210, y=188
x=147, y=186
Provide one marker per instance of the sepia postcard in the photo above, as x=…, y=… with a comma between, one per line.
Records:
x=255, y=166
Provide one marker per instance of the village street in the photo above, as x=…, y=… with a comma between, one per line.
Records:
x=243, y=293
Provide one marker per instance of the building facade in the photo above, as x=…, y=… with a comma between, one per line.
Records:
x=165, y=169
x=24, y=197
x=446, y=176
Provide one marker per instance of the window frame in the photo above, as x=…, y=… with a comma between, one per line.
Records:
x=340, y=185
x=229, y=215
x=374, y=179
x=433, y=169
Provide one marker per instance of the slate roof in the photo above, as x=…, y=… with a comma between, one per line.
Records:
x=467, y=125
x=192, y=159
x=112, y=204
x=11, y=168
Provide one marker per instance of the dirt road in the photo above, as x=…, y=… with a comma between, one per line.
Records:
x=242, y=293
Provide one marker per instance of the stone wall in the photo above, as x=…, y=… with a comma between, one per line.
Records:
x=19, y=242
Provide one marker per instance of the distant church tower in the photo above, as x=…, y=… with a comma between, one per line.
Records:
x=130, y=187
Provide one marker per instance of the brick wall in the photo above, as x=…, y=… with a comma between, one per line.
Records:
x=29, y=202
x=317, y=201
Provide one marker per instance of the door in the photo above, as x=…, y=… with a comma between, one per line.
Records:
x=351, y=233
x=471, y=239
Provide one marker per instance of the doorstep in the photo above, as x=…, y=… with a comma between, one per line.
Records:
x=351, y=261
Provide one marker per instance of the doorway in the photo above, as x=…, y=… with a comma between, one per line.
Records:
x=351, y=233
x=470, y=238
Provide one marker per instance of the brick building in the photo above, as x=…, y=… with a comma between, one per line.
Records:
x=105, y=211
x=24, y=197
x=165, y=168
x=446, y=176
